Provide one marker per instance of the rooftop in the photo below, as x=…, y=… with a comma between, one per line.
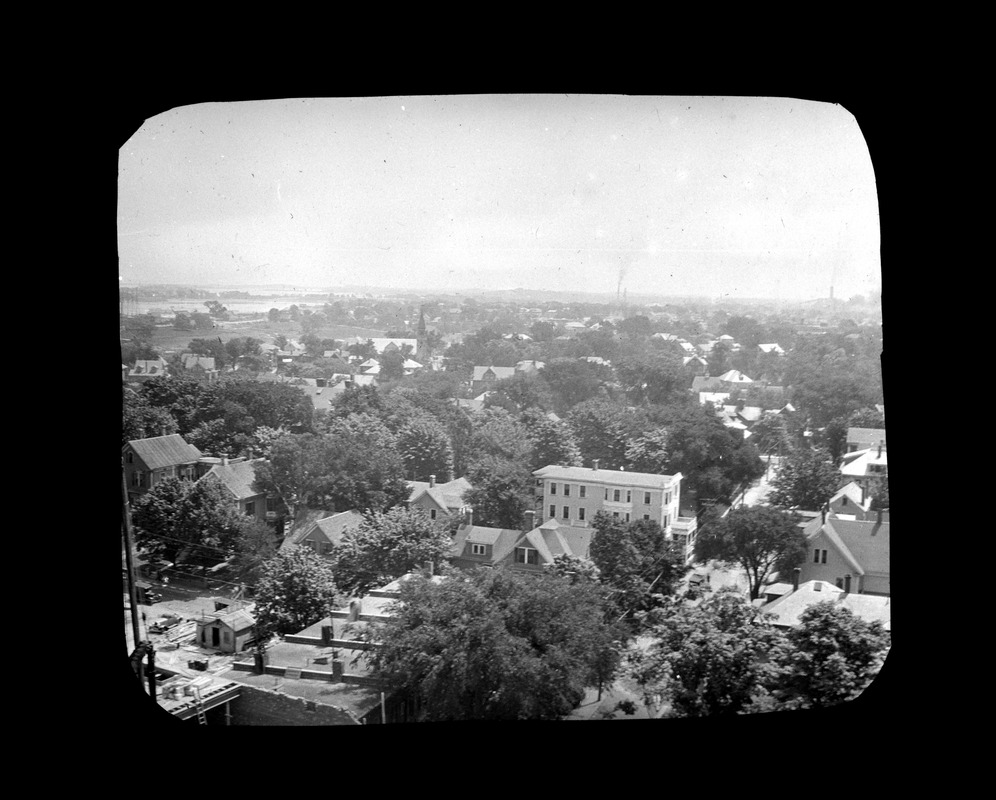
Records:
x=608, y=476
x=164, y=451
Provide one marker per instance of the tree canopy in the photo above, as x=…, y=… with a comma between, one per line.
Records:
x=296, y=589
x=758, y=538
x=806, y=479
x=492, y=645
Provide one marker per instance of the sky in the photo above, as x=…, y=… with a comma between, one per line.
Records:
x=683, y=196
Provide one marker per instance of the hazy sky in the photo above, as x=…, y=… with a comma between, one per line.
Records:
x=715, y=196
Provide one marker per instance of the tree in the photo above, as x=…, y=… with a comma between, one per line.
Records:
x=500, y=435
x=650, y=453
x=154, y=516
x=141, y=420
x=758, y=538
x=392, y=366
x=425, y=448
x=806, y=479
x=494, y=646
x=601, y=429
x=637, y=561
x=553, y=441
x=503, y=490
x=296, y=589
x=385, y=546
x=573, y=381
x=833, y=656
x=706, y=659
x=651, y=377
x=254, y=545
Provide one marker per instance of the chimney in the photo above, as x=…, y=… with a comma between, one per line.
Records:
x=164, y=431
x=427, y=569
x=470, y=517
x=880, y=443
x=336, y=669
x=847, y=583
x=355, y=608
x=817, y=586
x=823, y=514
x=594, y=464
x=795, y=579
x=224, y=459
x=530, y=520
x=432, y=481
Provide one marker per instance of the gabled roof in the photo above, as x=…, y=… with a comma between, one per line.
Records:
x=789, y=607
x=499, y=373
x=332, y=526
x=735, y=376
x=190, y=361
x=863, y=544
x=852, y=491
x=238, y=619
x=702, y=384
x=500, y=539
x=865, y=438
x=238, y=478
x=148, y=367
x=164, y=451
x=771, y=347
x=751, y=413
x=446, y=495
x=857, y=464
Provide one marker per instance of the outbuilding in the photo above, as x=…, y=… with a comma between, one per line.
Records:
x=228, y=630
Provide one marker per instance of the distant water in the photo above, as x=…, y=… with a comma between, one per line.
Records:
x=240, y=306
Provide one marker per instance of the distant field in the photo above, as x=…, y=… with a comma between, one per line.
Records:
x=172, y=339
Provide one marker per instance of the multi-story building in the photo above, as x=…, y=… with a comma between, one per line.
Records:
x=148, y=461
x=573, y=495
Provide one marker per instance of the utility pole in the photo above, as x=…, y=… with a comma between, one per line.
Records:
x=129, y=560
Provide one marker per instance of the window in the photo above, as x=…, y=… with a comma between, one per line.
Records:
x=581, y=491
x=478, y=550
x=553, y=511
x=629, y=496
x=646, y=516
x=627, y=516
x=615, y=515
x=526, y=555
x=567, y=512
x=843, y=500
x=553, y=488
x=581, y=514
x=251, y=509
x=616, y=494
x=646, y=498
x=271, y=503
x=606, y=494
x=130, y=457
x=816, y=556
x=432, y=513
x=567, y=490
x=823, y=557
x=667, y=519
x=819, y=556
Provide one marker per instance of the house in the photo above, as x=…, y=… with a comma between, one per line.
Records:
x=864, y=438
x=485, y=378
x=852, y=501
x=735, y=377
x=573, y=495
x=200, y=365
x=439, y=499
x=862, y=466
x=696, y=364
x=789, y=606
x=852, y=554
x=532, y=551
x=481, y=546
x=238, y=476
x=145, y=369
x=319, y=530
x=148, y=461
x=229, y=630
x=771, y=347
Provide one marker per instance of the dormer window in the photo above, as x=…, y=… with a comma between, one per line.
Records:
x=526, y=555
x=478, y=550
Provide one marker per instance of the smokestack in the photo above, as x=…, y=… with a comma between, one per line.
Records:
x=432, y=481
x=530, y=520
x=795, y=579
x=847, y=583
x=594, y=464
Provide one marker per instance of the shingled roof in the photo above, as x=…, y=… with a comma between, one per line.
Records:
x=608, y=476
x=164, y=451
x=238, y=478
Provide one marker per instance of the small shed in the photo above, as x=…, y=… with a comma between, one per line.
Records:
x=229, y=630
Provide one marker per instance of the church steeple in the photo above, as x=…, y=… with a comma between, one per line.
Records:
x=422, y=353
